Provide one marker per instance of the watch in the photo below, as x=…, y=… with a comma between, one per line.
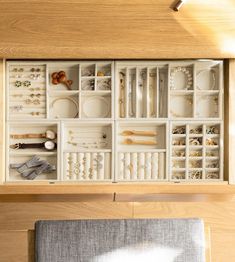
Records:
x=48, y=145
x=49, y=134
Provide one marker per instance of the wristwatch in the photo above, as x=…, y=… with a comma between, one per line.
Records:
x=49, y=134
x=48, y=145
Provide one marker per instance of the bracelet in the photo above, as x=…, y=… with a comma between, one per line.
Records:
x=69, y=99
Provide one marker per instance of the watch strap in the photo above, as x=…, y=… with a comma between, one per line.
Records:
x=24, y=136
x=30, y=145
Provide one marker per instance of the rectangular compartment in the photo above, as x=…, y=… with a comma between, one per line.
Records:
x=96, y=105
x=181, y=105
x=63, y=76
x=87, y=166
x=32, y=133
x=144, y=135
x=208, y=76
x=64, y=106
x=50, y=173
x=163, y=92
x=141, y=166
x=181, y=77
x=87, y=136
x=207, y=106
x=26, y=90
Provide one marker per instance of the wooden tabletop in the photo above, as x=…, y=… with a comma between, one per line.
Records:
x=118, y=29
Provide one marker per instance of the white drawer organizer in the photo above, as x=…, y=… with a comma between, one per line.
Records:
x=114, y=121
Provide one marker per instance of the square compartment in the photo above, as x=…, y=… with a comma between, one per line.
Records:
x=178, y=152
x=96, y=106
x=213, y=129
x=211, y=175
x=88, y=84
x=31, y=133
x=104, y=84
x=212, y=141
x=88, y=70
x=71, y=74
x=87, y=166
x=181, y=78
x=178, y=175
x=181, y=106
x=195, y=130
x=208, y=78
x=193, y=163
x=178, y=141
x=207, y=106
x=212, y=164
x=142, y=135
x=14, y=175
x=61, y=107
x=196, y=141
x=178, y=129
x=87, y=136
x=104, y=70
x=195, y=152
x=195, y=175
x=178, y=164
x=212, y=153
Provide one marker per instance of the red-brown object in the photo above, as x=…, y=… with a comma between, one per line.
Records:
x=60, y=78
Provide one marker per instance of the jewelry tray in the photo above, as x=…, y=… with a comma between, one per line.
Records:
x=115, y=121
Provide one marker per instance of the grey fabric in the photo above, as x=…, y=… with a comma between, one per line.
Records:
x=85, y=240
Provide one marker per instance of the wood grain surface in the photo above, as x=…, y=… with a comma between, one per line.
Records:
x=116, y=29
x=18, y=217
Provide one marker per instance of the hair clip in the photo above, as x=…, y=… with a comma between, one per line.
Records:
x=34, y=76
x=33, y=69
x=35, y=95
x=17, y=108
x=35, y=113
x=18, y=69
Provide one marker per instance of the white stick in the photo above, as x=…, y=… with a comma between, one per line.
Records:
x=161, y=165
x=127, y=167
x=141, y=166
x=121, y=166
x=134, y=166
x=155, y=166
x=148, y=166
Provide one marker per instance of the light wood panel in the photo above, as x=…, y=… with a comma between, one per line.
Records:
x=14, y=246
x=116, y=29
x=120, y=188
x=231, y=116
x=22, y=216
x=180, y=197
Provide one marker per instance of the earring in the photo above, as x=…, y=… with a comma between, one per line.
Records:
x=18, y=83
x=27, y=83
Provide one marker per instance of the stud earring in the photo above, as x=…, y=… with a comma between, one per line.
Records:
x=27, y=83
x=18, y=83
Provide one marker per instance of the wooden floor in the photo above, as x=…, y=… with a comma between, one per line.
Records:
x=17, y=219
